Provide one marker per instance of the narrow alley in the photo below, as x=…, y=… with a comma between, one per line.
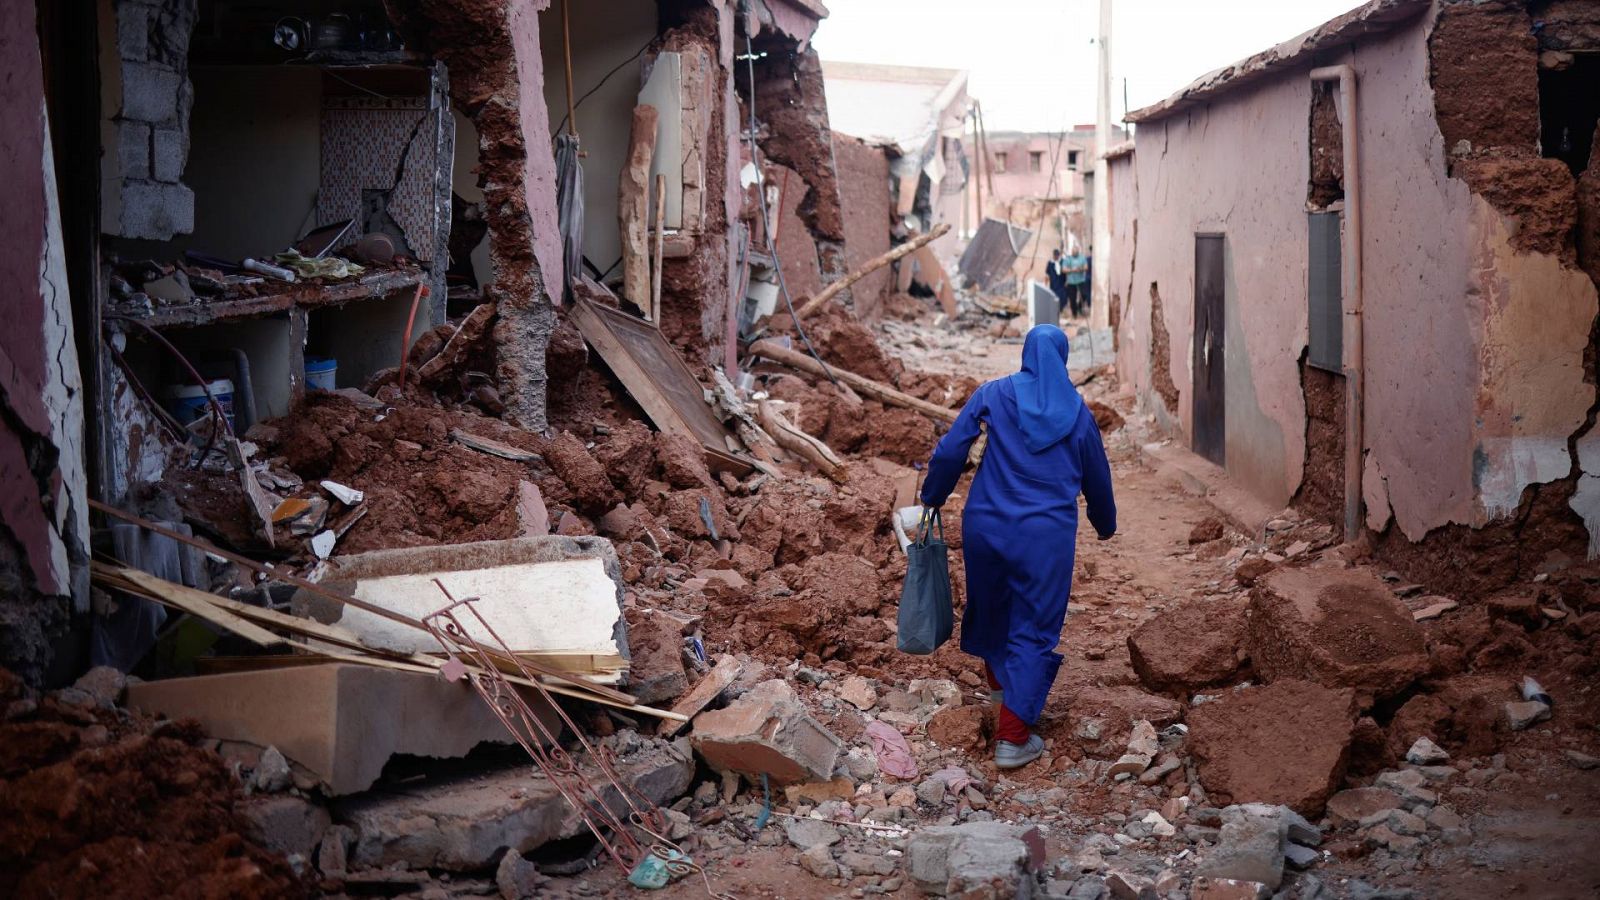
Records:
x=479, y=448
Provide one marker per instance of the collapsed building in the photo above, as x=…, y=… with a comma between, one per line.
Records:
x=1418, y=366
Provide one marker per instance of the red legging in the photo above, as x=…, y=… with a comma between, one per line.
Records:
x=1010, y=728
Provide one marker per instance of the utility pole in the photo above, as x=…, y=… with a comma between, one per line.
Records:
x=1100, y=311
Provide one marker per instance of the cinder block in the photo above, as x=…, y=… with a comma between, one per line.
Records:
x=133, y=32
x=133, y=149
x=341, y=722
x=149, y=92
x=171, y=151
x=767, y=732
x=156, y=211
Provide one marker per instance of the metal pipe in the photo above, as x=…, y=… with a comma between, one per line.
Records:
x=1355, y=362
x=244, y=392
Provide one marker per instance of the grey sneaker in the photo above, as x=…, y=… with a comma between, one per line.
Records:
x=1014, y=756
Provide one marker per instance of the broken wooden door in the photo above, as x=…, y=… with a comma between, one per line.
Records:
x=1209, y=387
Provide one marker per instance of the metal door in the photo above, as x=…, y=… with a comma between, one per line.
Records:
x=1209, y=388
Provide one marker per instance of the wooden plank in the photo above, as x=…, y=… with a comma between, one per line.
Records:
x=658, y=379
x=492, y=447
x=633, y=204
x=715, y=682
x=872, y=265
x=195, y=602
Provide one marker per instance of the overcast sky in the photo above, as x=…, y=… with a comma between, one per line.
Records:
x=1033, y=61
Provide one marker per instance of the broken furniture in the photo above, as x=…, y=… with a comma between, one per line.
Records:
x=659, y=380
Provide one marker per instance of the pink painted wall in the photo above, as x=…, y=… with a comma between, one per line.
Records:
x=1474, y=352
x=539, y=169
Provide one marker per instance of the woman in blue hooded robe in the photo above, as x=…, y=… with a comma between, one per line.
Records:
x=1020, y=524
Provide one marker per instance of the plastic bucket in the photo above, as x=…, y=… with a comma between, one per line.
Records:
x=321, y=374
x=187, y=402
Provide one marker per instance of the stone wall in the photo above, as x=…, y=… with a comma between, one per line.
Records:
x=146, y=101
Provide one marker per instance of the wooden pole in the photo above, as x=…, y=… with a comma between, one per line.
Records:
x=790, y=437
x=661, y=236
x=867, y=386
x=566, y=44
x=633, y=207
x=906, y=249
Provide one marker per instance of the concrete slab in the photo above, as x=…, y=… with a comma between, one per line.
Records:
x=340, y=722
x=467, y=824
x=551, y=594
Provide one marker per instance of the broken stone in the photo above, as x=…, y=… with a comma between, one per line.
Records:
x=1444, y=818
x=1159, y=826
x=333, y=854
x=1143, y=740
x=518, y=879
x=1207, y=530
x=992, y=858
x=285, y=824
x=875, y=864
x=1286, y=743
x=1129, y=764
x=819, y=862
x=1402, y=822
x=1426, y=753
x=1582, y=760
x=1340, y=629
x=1249, y=849
x=959, y=727
x=858, y=692
x=1155, y=774
x=808, y=833
x=1435, y=609
x=272, y=773
x=655, y=645
x=767, y=731
x=1300, y=857
x=1522, y=714
x=104, y=684
x=1128, y=886
x=1190, y=647
x=931, y=792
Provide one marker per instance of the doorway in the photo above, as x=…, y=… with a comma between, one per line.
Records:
x=1209, y=394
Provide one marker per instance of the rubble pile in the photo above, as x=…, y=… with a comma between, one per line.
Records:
x=98, y=801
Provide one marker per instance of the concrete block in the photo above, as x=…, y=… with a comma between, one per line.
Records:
x=555, y=593
x=169, y=152
x=133, y=149
x=287, y=825
x=340, y=722
x=156, y=211
x=979, y=859
x=133, y=32
x=467, y=823
x=767, y=731
x=149, y=92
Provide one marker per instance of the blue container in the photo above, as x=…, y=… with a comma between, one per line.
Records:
x=187, y=402
x=321, y=374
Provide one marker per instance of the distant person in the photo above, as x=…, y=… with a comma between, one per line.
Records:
x=1058, y=281
x=1076, y=269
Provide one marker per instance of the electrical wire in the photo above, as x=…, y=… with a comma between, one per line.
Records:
x=766, y=226
x=602, y=83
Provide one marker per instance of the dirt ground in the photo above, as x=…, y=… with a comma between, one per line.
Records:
x=1532, y=816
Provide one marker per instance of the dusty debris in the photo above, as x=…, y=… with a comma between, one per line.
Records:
x=1287, y=742
x=767, y=732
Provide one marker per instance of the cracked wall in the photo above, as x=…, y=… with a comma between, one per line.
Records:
x=1479, y=312
x=43, y=486
x=491, y=48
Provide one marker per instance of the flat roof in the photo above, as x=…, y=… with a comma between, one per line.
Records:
x=1376, y=17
